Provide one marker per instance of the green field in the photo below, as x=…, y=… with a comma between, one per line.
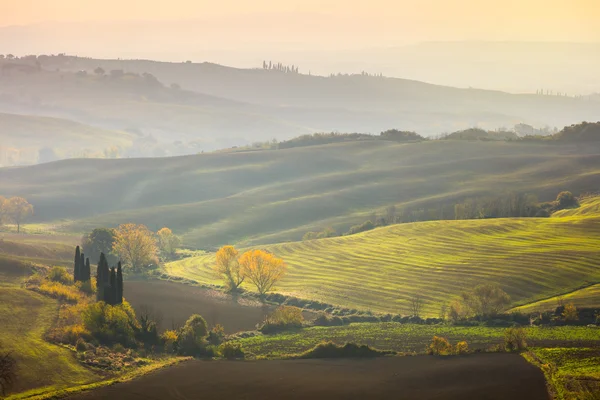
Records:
x=407, y=338
x=380, y=270
x=274, y=196
x=24, y=317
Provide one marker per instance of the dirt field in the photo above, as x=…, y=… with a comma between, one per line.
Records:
x=173, y=303
x=483, y=376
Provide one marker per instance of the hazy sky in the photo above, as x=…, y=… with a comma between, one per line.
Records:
x=394, y=21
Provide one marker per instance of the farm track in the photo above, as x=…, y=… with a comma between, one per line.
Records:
x=482, y=376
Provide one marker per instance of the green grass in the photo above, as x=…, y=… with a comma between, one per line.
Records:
x=24, y=318
x=531, y=259
x=405, y=338
x=572, y=373
x=273, y=196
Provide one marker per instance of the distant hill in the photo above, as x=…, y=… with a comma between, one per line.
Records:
x=269, y=196
x=480, y=134
x=28, y=139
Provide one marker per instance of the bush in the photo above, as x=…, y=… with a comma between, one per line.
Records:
x=439, y=347
x=60, y=275
x=566, y=200
x=349, y=350
x=365, y=226
x=461, y=348
x=231, y=351
x=169, y=340
x=284, y=317
x=111, y=324
x=216, y=335
x=515, y=339
x=570, y=313
x=80, y=345
x=35, y=280
x=191, y=340
x=87, y=287
x=60, y=291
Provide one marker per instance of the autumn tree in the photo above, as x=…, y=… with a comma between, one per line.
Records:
x=17, y=210
x=486, y=300
x=167, y=241
x=228, y=267
x=262, y=269
x=135, y=245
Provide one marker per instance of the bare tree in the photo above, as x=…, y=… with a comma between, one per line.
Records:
x=415, y=305
x=8, y=367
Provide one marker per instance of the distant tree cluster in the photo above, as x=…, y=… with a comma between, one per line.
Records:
x=15, y=210
x=271, y=66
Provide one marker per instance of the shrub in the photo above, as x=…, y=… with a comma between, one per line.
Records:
x=169, y=340
x=439, y=347
x=59, y=291
x=231, y=350
x=80, y=345
x=349, y=350
x=60, y=275
x=365, y=226
x=111, y=324
x=461, y=348
x=87, y=287
x=566, y=200
x=515, y=339
x=570, y=313
x=216, y=335
x=284, y=317
x=35, y=280
x=191, y=340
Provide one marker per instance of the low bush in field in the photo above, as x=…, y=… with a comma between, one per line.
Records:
x=60, y=275
x=192, y=338
x=349, y=350
x=111, y=324
x=87, y=287
x=515, y=339
x=59, y=291
x=231, y=351
x=169, y=340
x=439, y=347
x=461, y=347
x=216, y=335
x=283, y=318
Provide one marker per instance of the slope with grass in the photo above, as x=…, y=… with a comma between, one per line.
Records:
x=24, y=317
x=381, y=270
x=271, y=196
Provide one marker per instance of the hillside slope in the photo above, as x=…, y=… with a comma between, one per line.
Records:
x=278, y=195
x=380, y=270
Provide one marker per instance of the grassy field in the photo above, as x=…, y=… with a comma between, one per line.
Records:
x=531, y=259
x=24, y=317
x=572, y=373
x=408, y=338
x=272, y=196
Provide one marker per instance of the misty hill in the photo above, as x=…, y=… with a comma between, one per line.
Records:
x=278, y=195
x=350, y=103
x=28, y=139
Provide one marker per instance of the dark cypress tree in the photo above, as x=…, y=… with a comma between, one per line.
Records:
x=87, y=272
x=110, y=295
x=119, y=284
x=102, y=278
x=77, y=266
x=82, y=267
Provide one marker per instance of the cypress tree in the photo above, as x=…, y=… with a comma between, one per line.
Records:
x=110, y=295
x=88, y=272
x=101, y=277
x=119, y=284
x=82, y=268
x=77, y=267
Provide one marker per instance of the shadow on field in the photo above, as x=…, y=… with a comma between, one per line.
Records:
x=481, y=376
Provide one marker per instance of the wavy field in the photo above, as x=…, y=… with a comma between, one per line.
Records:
x=531, y=259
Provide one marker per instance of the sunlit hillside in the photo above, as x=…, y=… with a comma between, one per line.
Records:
x=381, y=270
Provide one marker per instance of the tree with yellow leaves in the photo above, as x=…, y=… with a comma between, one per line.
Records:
x=228, y=267
x=167, y=241
x=135, y=245
x=262, y=269
x=16, y=210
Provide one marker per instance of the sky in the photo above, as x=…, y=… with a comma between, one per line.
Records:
x=352, y=22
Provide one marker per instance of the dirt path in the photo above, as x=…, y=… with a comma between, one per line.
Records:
x=482, y=376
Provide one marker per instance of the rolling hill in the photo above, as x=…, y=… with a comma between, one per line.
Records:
x=269, y=196
x=531, y=259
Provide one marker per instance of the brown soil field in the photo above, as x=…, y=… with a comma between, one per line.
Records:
x=479, y=376
x=173, y=303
